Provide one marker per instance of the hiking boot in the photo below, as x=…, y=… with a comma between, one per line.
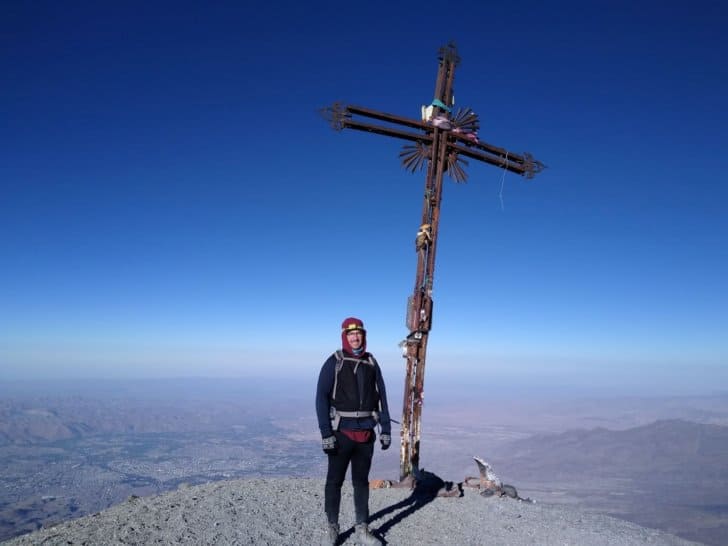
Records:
x=332, y=534
x=363, y=536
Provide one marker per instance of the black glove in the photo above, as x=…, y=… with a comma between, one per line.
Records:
x=385, y=440
x=329, y=445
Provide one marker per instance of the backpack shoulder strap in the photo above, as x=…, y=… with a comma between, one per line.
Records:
x=339, y=360
x=339, y=364
x=378, y=372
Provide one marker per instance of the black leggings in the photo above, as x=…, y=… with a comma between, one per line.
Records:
x=360, y=456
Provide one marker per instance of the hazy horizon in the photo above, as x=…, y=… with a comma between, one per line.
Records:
x=439, y=386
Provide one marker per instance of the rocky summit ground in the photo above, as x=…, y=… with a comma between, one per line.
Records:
x=290, y=511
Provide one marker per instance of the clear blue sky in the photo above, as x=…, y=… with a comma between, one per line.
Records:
x=173, y=204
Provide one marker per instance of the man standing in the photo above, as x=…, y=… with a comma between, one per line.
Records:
x=350, y=400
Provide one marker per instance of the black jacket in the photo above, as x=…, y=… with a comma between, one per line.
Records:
x=360, y=391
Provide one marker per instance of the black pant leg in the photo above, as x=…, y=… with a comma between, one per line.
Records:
x=338, y=463
x=361, y=463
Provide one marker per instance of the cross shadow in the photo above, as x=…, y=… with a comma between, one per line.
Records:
x=427, y=487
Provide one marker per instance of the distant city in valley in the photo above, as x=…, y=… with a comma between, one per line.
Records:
x=68, y=450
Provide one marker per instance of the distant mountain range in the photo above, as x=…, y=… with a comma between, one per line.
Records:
x=34, y=421
x=671, y=449
x=670, y=474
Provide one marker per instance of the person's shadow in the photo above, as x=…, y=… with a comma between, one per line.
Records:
x=428, y=486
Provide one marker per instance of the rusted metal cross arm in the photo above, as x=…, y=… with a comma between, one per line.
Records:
x=391, y=118
x=505, y=162
x=510, y=162
x=522, y=164
x=494, y=150
x=389, y=131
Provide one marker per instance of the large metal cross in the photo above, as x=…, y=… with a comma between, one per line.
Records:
x=441, y=140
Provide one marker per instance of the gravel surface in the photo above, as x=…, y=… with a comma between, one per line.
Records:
x=290, y=512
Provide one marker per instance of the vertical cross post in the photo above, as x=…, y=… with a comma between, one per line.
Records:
x=419, y=312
